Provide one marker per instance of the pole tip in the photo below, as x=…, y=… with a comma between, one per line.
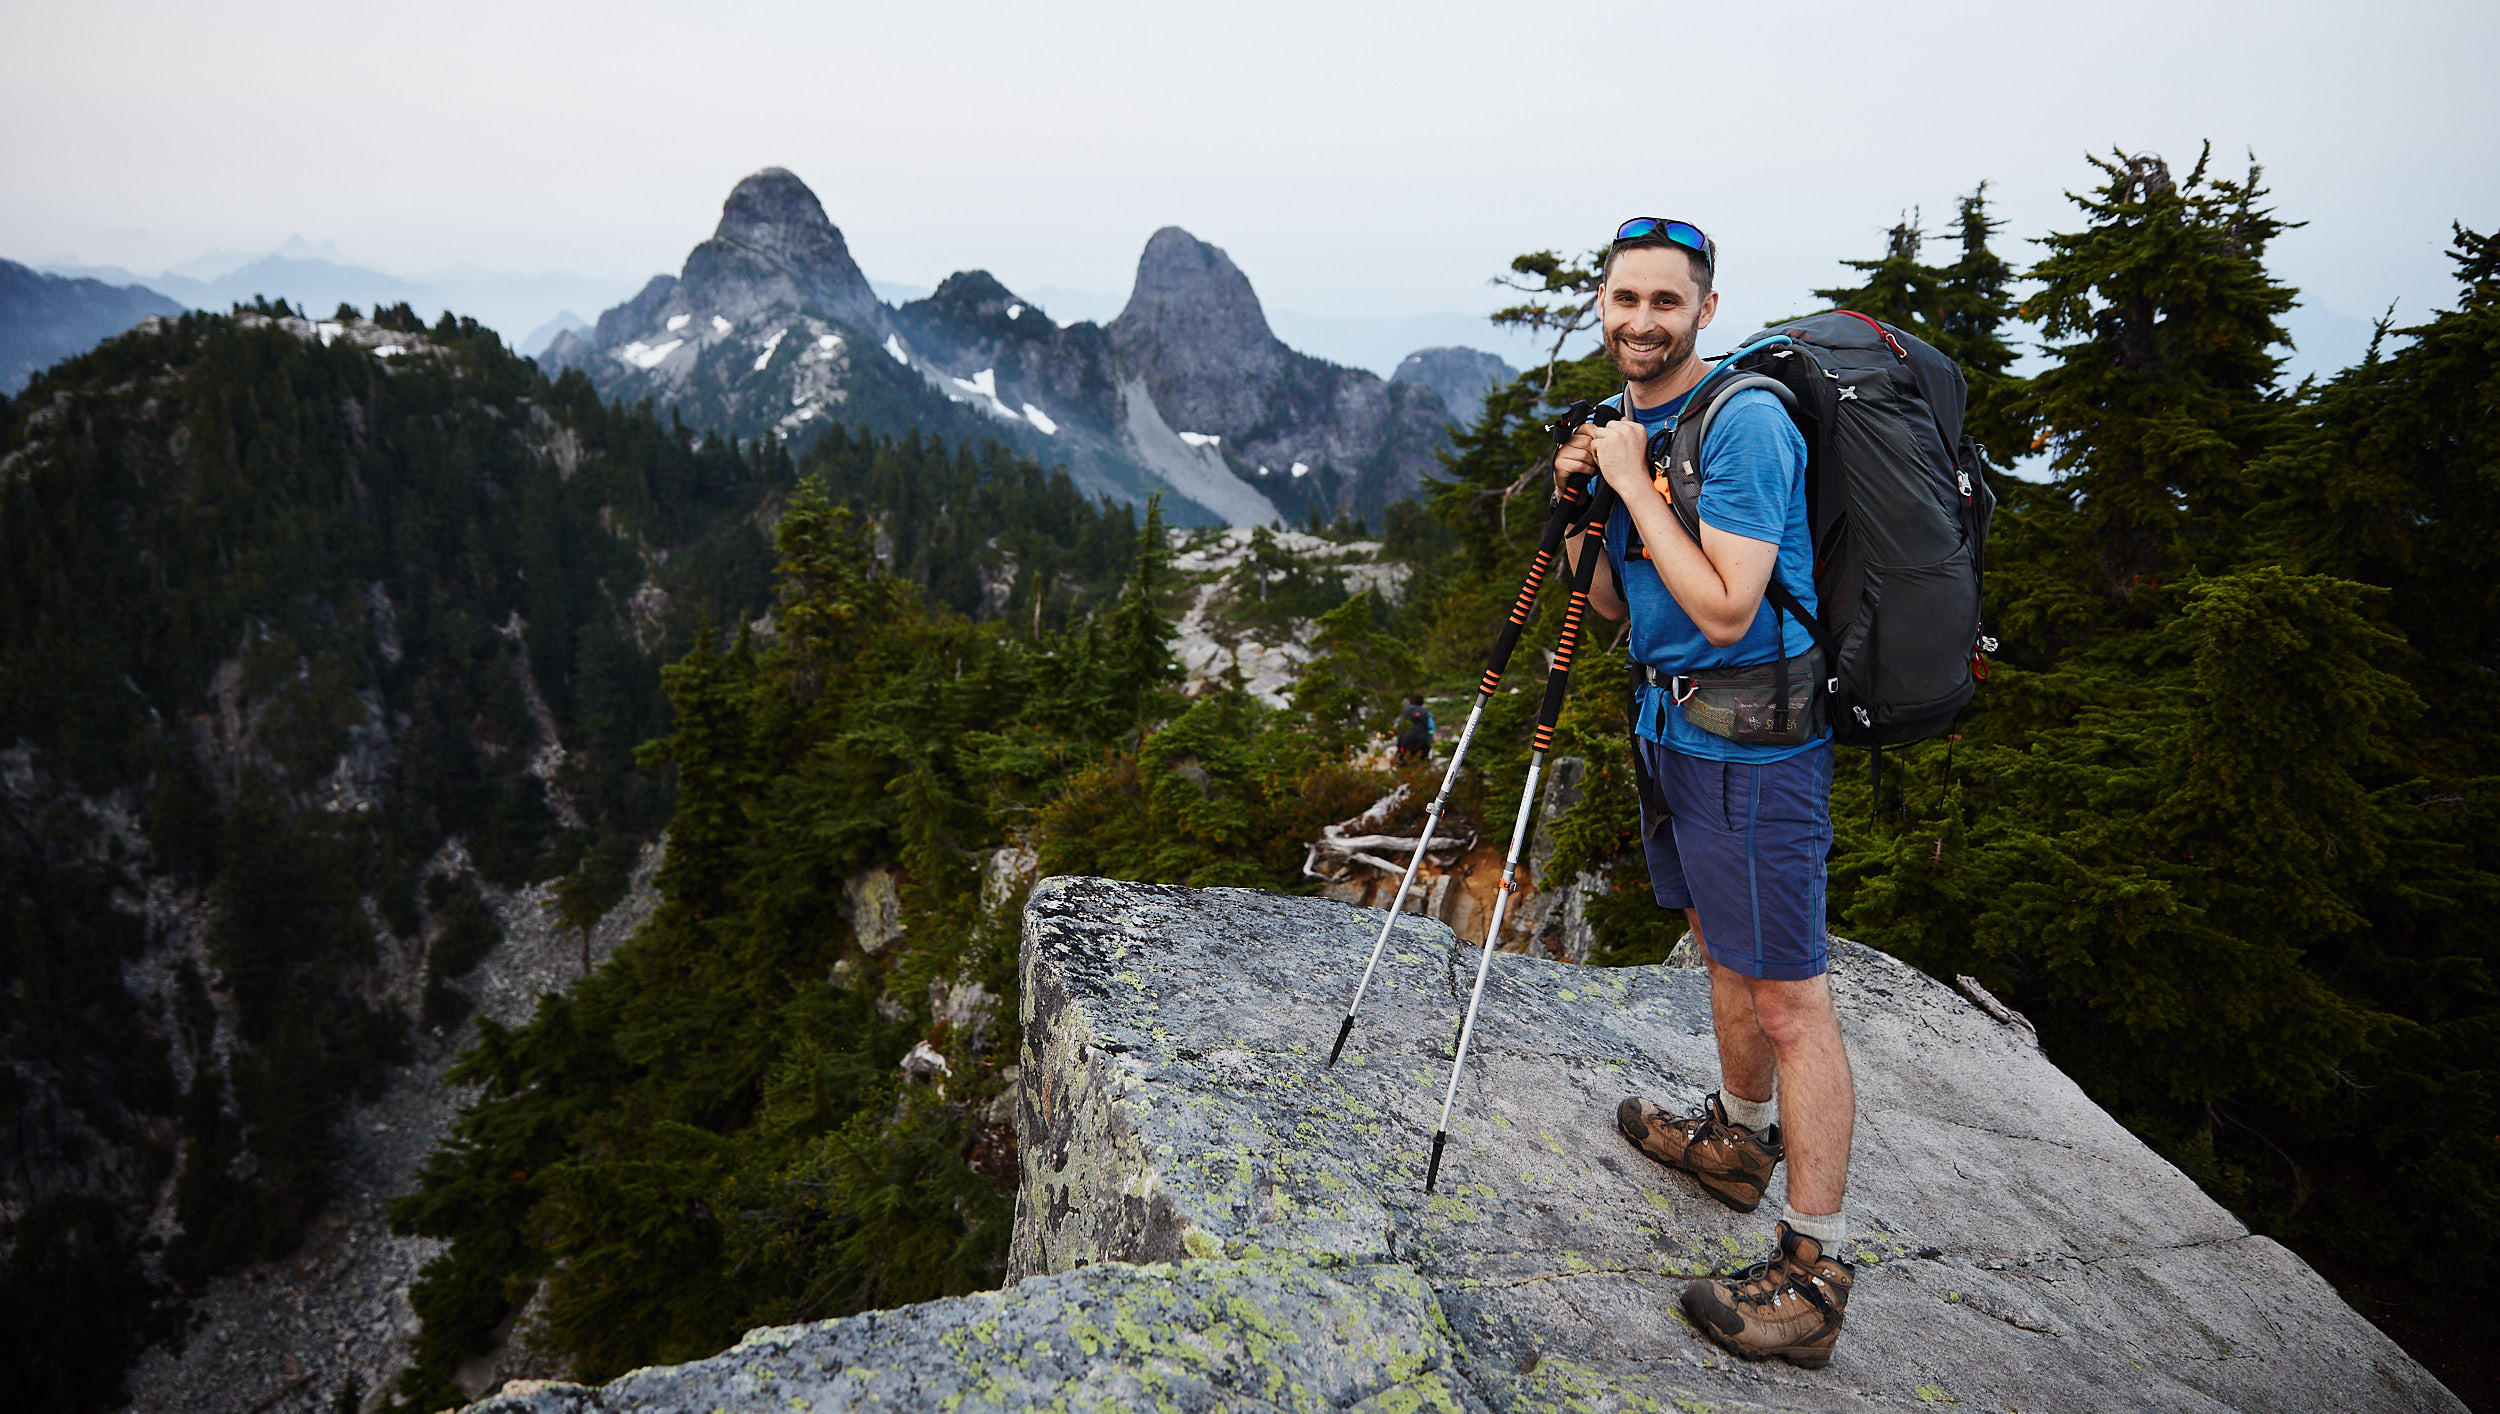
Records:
x=1343, y=1030
x=1432, y=1175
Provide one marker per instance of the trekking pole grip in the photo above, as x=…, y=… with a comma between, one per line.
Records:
x=1575, y=616
x=1567, y=512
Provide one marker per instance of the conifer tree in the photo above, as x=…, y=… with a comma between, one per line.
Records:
x=1895, y=288
x=1961, y=308
x=1350, y=689
x=2165, y=386
x=1137, y=648
x=2392, y=477
x=1977, y=303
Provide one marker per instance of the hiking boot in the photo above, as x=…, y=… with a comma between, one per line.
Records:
x=1791, y=1306
x=1733, y=1163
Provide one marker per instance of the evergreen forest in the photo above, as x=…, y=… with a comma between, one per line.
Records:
x=2221, y=820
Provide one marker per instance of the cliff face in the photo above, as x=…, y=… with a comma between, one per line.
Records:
x=1211, y=1218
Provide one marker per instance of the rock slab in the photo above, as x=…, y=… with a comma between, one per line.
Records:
x=1212, y=1218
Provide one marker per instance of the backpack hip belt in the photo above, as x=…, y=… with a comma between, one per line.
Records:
x=1758, y=704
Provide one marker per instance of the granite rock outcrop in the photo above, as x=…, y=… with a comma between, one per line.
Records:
x=1211, y=1218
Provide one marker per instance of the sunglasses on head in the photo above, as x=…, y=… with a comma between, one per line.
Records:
x=1683, y=233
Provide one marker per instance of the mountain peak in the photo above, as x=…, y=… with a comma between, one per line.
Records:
x=1194, y=328
x=1183, y=280
x=774, y=212
x=774, y=236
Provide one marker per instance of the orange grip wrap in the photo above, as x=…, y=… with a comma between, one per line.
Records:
x=1492, y=680
x=1544, y=738
x=1527, y=592
x=1570, y=632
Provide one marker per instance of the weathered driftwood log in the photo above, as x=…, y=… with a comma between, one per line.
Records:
x=1335, y=853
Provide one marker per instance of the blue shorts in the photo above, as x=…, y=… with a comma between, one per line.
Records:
x=1745, y=846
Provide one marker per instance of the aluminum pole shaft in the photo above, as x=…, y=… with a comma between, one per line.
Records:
x=1397, y=906
x=1484, y=963
x=1557, y=685
x=1566, y=511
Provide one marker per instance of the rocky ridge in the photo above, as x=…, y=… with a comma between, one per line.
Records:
x=771, y=327
x=1461, y=376
x=1211, y=641
x=322, y=717
x=1210, y=1218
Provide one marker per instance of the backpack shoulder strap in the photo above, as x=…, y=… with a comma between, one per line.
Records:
x=1681, y=473
x=1681, y=469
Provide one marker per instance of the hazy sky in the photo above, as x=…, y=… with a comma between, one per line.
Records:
x=1359, y=158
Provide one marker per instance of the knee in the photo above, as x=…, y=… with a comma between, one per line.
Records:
x=1791, y=1016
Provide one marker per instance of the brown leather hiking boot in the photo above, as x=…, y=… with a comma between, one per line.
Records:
x=1791, y=1306
x=1733, y=1163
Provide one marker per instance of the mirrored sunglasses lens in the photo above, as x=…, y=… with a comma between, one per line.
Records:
x=1636, y=228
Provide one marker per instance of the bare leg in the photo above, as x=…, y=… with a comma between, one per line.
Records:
x=1748, y=1066
x=1818, y=1098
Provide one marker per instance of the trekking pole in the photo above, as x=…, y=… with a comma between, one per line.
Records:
x=1557, y=682
x=1569, y=510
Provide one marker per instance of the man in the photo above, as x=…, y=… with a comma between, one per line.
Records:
x=1415, y=731
x=1742, y=850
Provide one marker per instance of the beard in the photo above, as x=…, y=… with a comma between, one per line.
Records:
x=1642, y=366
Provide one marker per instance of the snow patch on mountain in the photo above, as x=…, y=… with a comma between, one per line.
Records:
x=642, y=355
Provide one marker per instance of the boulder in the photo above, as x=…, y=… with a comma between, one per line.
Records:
x=1210, y=1217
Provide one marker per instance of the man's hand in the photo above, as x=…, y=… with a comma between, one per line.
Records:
x=1621, y=449
x=1577, y=457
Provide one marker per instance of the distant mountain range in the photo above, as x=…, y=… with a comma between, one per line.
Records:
x=47, y=318
x=318, y=280
x=772, y=327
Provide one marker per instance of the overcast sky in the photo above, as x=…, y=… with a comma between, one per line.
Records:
x=1365, y=159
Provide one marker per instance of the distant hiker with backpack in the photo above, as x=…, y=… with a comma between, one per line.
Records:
x=1736, y=770
x=1415, y=728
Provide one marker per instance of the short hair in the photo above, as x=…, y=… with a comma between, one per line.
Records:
x=1701, y=265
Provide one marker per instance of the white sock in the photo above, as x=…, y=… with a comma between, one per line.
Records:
x=1756, y=1115
x=1828, y=1230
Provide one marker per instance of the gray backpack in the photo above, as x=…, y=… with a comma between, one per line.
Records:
x=1898, y=503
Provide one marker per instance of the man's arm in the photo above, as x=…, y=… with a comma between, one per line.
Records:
x=1718, y=583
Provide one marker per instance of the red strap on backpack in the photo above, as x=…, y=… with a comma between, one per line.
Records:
x=1882, y=332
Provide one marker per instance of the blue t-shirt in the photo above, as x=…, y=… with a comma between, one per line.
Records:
x=1753, y=484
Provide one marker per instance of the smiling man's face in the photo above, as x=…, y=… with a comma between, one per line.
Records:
x=1653, y=313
